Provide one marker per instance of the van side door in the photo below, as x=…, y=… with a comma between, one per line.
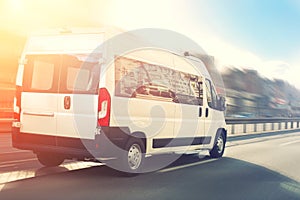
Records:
x=189, y=112
x=214, y=118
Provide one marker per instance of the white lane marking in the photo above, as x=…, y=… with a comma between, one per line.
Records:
x=16, y=151
x=187, y=165
x=24, y=174
x=1, y=186
x=16, y=175
x=291, y=142
x=16, y=161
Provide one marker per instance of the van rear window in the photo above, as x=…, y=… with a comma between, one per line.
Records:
x=40, y=73
x=61, y=74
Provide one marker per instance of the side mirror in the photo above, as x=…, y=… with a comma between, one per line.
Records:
x=222, y=103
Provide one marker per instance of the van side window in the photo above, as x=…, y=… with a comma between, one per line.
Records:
x=137, y=79
x=212, y=98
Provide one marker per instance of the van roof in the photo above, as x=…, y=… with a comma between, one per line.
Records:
x=87, y=40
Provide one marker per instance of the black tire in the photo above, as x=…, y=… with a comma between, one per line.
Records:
x=219, y=146
x=50, y=159
x=132, y=159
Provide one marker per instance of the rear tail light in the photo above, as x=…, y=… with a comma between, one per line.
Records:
x=17, y=103
x=104, y=103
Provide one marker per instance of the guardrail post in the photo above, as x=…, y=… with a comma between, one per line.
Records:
x=292, y=125
x=286, y=125
x=244, y=128
x=232, y=129
x=272, y=126
x=255, y=127
x=264, y=126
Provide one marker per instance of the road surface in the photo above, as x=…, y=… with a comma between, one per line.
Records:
x=253, y=167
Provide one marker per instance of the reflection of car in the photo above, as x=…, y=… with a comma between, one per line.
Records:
x=155, y=91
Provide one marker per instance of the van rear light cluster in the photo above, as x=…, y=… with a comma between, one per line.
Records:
x=104, y=103
x=17, y=103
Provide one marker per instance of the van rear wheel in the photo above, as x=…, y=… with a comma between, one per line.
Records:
x=219, y=147
x=133, y=157
x=50, y=159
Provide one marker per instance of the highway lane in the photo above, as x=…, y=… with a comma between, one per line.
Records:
x=18, y=164
x=252, y=168
x=12, y=159
x=279, y=153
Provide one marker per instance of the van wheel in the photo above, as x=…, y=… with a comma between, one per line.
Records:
x=133, y=157
x=219, y=147
x=50, y=159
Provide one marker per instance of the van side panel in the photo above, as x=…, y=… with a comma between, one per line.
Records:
x=150, y=113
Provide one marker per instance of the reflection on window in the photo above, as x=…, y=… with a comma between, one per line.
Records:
x=212, y=98
x=61, y=74
x=145, y=80
x=42, y=77
x=79, y=75
x=154, y=92
x=78, y=79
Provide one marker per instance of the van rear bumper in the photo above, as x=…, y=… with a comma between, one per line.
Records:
x=70, y=147
x=108, y=144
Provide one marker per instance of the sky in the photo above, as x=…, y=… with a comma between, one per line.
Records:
x=255, y=34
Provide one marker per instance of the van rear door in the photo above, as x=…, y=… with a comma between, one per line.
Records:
x=59, y=95
x=78, y=96
x=39, y=96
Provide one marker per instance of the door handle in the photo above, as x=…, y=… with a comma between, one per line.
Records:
x=39, y=114
x=67, y=102
x=200, y=111
x=206, y=112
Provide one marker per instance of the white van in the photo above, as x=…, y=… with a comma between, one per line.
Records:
x=76, y=101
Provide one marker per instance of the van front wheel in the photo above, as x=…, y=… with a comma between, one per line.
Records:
x=219, y=147
x=50, y=159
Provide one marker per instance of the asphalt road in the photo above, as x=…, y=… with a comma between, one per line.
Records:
x=253, y=167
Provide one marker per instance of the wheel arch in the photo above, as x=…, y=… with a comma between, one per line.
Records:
x=219, y=132
x=141, y=136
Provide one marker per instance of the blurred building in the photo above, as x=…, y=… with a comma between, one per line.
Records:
x=250, y=95
x=10, y=51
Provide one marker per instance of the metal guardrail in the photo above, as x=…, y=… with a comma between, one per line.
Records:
x=259, y=120
x=258, y=125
